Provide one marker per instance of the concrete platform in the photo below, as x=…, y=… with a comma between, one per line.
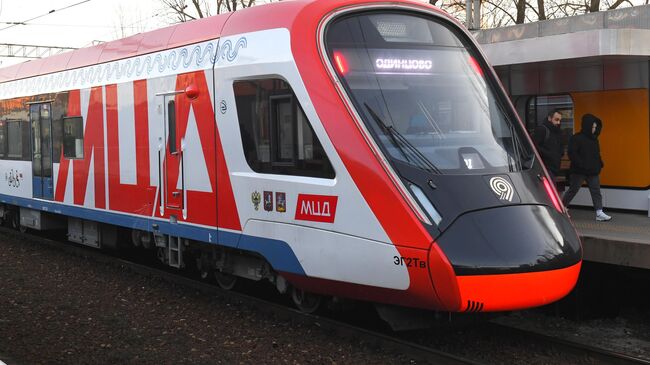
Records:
x=625, y=240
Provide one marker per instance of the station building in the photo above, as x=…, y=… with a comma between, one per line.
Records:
x=595, y=63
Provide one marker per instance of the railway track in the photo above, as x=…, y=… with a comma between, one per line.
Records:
x=417, y=351
x=418, y=354
x=600, y=355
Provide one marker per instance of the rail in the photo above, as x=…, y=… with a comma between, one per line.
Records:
x=600, y=354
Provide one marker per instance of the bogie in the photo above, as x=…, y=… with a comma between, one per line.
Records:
x=305, y=301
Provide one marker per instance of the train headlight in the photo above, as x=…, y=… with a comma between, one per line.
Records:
x=425, y=203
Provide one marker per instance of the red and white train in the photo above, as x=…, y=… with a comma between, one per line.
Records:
x=342, y=148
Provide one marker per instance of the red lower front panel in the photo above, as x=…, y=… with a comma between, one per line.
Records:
x=505, y=292
x=469, y=293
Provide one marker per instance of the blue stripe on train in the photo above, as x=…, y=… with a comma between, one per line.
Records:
x=276, y=252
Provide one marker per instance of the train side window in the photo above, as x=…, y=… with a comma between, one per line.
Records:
x=276, y=135
x=3, y=139
x=57, y=136
x=73, y=138
x=18, y=140
x=171, y=119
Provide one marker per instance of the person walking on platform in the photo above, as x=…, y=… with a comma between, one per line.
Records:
x=548, y=140
x=586, y=164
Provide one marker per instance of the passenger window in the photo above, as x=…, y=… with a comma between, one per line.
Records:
x=171, y=126
x=276, y=135
x=73, y=138
x=57, y=137
x=17, y=140
x=3, y=139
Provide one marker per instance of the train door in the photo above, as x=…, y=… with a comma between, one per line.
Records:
x=174, y=184
x=41, y=123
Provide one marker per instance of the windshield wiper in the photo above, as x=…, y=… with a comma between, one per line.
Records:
x=529, y=159
x=419, y=159
x=515, y=146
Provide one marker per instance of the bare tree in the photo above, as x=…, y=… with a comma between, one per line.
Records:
x=557, y=9
x=233, y=5
x=541, y=11
x=494, y=13
x=520, y=8
x=498, y=13
x=186, y=10
x=126, y=25
x=618, y=3
x=180, y=11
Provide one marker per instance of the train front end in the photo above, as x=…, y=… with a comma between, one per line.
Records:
x=442, y=125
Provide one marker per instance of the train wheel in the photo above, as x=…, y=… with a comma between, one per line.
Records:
x=145, y=240
x=225, y=281
x=203, y=265
x=204, y=270
x=15, y=222
x=162, y=255
x=305, y=301
x=135, y=238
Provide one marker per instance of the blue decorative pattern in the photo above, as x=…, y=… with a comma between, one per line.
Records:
x=184, y=59
x=229, y=52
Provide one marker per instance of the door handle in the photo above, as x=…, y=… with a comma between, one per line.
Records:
x=176, y=194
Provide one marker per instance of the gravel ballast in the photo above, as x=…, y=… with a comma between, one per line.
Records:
x=60, y=308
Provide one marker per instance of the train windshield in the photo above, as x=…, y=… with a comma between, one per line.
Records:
x=422, y=94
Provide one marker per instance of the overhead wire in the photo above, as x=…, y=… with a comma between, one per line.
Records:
x=131, y=25
x=67, y=25
x=42, y=15
x=25, y=22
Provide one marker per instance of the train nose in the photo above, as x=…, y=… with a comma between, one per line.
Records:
x=512, y=257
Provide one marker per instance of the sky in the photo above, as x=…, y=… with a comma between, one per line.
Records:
x=81, y=23
x=84, y=22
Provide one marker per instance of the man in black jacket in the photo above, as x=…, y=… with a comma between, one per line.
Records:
x=548, y=140
x=586, y=163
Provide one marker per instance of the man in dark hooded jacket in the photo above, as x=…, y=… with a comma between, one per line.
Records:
x=548, y=140
x=586, y=163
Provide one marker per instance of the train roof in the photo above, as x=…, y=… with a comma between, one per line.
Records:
x=139, y=44
x=267, y=16
x=614, y=33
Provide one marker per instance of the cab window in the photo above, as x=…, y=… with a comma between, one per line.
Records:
x=277, y=137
